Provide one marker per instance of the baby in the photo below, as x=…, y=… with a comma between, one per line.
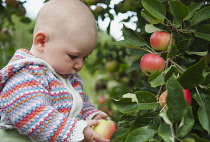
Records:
x=41, y=94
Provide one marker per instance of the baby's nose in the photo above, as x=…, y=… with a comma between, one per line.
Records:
x=78, y=65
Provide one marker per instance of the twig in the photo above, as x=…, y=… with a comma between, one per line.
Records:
x=178, y=66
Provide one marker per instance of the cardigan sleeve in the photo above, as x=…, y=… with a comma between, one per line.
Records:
x=26, y=103
x=88, y=109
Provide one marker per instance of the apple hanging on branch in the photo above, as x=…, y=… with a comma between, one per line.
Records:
x=105, y=128
x=151, y=62
x=163, y=96
x=160, y=40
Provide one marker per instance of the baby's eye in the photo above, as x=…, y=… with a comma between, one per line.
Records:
x=72, y=57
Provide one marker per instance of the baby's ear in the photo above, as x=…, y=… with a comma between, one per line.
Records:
x=39, y=40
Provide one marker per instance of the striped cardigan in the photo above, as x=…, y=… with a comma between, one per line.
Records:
x=41, y=104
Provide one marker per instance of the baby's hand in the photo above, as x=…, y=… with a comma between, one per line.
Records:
x=90, y=135
x=101, y=115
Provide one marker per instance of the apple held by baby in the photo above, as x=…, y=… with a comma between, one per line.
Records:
x=105, y=128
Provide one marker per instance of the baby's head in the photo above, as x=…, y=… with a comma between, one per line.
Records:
x=64, y=35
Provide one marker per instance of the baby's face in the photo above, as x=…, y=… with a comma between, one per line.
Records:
x=67, y=54
x=69, y=38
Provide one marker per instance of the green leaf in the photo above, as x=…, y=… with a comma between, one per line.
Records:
x=155, y=8
x=132, y=37
x=146, y=100
x=141, y=134
x=193, y=76
x=120, y=134
x=150, y=28
x=207, y=79
x=196, y=138
x=123, y=43
x=151, y=19
x=159, y=79
x=173, y=52
x=156, y=79
x=175, y=100
x=145, y=97
x=186, y=123
x=203, y=112
x=165, y=118
x=197, y=53
x=203, y=32
x=149, y=118
x=136, y=52
x=165, y=132
x=178, y=10
x=201, y=15
x=170, y=71
x=192, y=9
x=25, y=20
x=125, y=105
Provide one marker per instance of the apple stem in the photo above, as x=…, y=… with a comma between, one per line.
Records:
x=169, y=22
x=159, y=92
x=152, y=51
x=162, y=108
x=199, y=95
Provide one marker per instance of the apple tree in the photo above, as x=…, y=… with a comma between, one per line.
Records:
x=186, y=67
x=8, y=10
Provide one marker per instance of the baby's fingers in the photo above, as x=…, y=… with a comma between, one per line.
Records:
x=99, y=138
x=92, y=122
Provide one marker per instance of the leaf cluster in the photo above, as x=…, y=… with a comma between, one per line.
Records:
x=186, y=68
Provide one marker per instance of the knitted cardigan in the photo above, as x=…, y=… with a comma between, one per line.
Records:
x=41, y=104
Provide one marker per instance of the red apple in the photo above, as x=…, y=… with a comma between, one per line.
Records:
x=150, y=62
x=162, y=99
x=160, y=40
x=187, y=96
x=105, y=128
x=12, y=3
